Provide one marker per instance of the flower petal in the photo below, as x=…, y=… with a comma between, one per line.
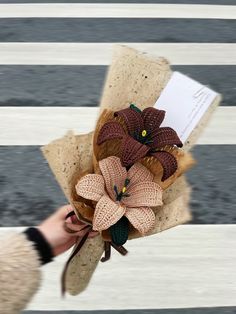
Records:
x=165, y=136
x=138, y=173
x=153, y=119
x=114, y=174
x=132, y=151
x=143, y=194
x=168, y=162
x=109, y=131
x=106, y=214
x=142, y=218
x=133, y=120
x=91, y=187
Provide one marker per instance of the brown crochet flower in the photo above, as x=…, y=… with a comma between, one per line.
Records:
x=119, y=193
x=143, y=137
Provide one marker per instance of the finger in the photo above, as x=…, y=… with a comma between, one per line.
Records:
x=67, y=209
x=74, y=228
x=73, y=219
x=63, y=211
x=77, y=234
x=69, y=230
x=85, y=231
x=70, y=217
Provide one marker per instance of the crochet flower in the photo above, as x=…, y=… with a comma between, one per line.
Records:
x=142, y=136
x=119, y=193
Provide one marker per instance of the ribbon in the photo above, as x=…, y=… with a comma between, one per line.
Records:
x=107, y=250
x=80, y=242
x=79, y=245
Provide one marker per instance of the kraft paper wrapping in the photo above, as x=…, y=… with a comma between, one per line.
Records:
x=68, y=158
x=83, y=265
x=132, y=77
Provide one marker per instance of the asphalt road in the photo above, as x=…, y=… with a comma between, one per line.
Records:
x=224, y=2
x=82, y=85
x=212, y=310
x=117, y=30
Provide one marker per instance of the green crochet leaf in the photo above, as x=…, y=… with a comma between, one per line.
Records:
x=135, y=108
x=120, y=231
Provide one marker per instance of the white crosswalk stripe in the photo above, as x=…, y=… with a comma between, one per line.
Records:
x=117, y=10
x=40, y=125
x=100, y=53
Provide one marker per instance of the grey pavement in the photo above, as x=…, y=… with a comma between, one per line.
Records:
x=224, y=2
x=117, y=30
x=29, y=192
x=82, y=85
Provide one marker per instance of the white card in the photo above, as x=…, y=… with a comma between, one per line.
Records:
x=185, y=102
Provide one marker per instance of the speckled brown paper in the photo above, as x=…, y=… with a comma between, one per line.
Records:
x=68, y=158
x=83, y=265
x=133, y=77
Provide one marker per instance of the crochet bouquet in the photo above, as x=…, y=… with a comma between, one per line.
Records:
x=124, y=180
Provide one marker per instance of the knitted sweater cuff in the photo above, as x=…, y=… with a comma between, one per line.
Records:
x=41, y=245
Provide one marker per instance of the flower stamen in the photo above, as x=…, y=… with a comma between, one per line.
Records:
x=123, y=193
x=144, y=133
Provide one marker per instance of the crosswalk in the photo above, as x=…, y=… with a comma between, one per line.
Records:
x=53, y=59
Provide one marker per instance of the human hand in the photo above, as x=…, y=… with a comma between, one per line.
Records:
x=53, y=229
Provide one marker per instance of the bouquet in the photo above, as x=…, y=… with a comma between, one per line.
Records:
x=126, y=179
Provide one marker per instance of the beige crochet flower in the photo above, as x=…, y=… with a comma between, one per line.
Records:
x=119, y=192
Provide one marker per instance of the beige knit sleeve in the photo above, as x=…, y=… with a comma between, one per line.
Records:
x=19, y=273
